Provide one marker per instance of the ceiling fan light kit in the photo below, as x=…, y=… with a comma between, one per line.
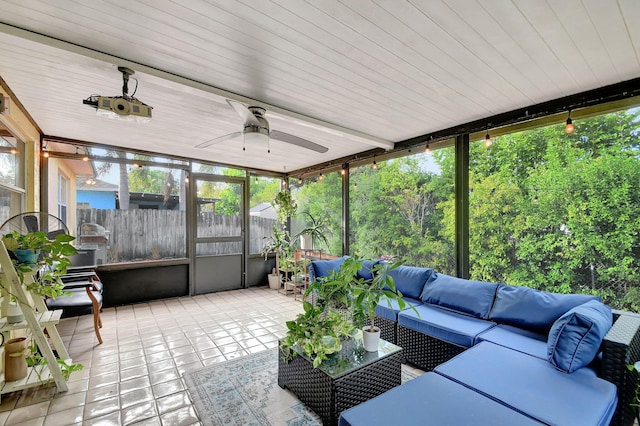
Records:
x=256, y=130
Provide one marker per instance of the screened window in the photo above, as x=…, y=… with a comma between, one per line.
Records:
x=63, y=197
x=130, y=208
x=558, y=211
x=262, y=215
x=319, y=203
x=399, y=210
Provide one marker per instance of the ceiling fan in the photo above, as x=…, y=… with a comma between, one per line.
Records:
x=256, y=129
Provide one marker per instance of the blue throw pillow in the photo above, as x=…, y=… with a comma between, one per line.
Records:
x=410, y=280
x=321, y=268
x=471, y=297
x=575, y=338
x=365, y=272
x=532, y=309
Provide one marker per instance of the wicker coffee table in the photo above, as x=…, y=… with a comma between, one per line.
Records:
x=347, y=379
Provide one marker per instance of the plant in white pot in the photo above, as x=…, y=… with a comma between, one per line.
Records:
x=14, y=312
x=279, y=244
x=313, y=232
x=369, y=293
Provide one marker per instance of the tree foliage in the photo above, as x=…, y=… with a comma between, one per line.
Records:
x=548, y=210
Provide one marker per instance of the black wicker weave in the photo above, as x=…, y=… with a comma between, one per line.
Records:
x=425, y=351
x=388, y=329
x=621, y=347
x=327, y=396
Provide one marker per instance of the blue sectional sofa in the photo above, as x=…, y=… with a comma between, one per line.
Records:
x=541, y=357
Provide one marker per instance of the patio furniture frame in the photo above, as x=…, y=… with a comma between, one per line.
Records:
x=329, y=396
x=620, y=347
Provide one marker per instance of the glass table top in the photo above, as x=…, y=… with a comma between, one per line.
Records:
x=352, y=356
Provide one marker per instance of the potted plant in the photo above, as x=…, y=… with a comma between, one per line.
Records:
x=334, y=291
x=284, y=205
x=279, y=244
x=316, y=334
x=51, y=259
x=313, y=232
x=329, y=319
x=14, y=312
x=369, y=293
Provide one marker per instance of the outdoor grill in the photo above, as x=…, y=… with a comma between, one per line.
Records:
x=95, y=237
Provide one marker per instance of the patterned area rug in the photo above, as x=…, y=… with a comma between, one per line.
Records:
x=245, y=392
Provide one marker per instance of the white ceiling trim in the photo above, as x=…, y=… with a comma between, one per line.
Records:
x=301, y=119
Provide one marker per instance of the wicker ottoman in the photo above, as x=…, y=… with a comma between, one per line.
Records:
x=345, y=380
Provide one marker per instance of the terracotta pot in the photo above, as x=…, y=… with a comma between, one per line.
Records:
x=15, y=363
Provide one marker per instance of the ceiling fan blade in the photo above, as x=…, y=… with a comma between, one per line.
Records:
x=244, y=113
x=218, y=140
x=295, y=140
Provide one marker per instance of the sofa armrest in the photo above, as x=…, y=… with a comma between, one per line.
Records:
x=621, y=347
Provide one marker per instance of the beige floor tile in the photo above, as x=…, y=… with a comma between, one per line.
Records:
x=112, y=419
x=103, y=392
x=66, y=401
x=29, y=412
x=139, y=412
x=102, y=407
x=70, y=416
x=135, y=376
x=167, y=388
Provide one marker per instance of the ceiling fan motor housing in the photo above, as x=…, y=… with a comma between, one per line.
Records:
x=258, y=113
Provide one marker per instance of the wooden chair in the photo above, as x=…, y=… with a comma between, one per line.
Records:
x=85, y=295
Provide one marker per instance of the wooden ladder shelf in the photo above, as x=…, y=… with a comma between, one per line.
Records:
x=37, y=319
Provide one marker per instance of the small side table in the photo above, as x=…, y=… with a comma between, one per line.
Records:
x=345, y=380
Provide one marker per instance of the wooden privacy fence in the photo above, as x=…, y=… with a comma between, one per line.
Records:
x=142, y=234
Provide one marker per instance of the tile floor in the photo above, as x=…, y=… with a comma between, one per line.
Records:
x=134, y=377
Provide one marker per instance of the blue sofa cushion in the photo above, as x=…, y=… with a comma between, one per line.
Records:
x=365, y=271
x=432, y=400
x=444, y=324
x=389, y=309
x=533, y=386
x=532, y=309
x=575, y=338
x=471, y=297
x=517, y=339
x=410, y=280
x=321, y=268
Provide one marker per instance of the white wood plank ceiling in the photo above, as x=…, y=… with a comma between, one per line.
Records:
x=351, y=75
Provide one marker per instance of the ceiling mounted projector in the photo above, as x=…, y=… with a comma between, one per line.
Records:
x=123, y=107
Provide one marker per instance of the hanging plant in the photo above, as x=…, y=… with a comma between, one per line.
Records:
x=285, y=205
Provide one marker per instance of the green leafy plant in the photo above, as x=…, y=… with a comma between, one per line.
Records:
x=316, y=228
x=279, y=243
x=51, y=264
x=334, y=291
x=284, y=205
x=368, y=294
x=635, y=402
x=38, y=362
x=316, y=333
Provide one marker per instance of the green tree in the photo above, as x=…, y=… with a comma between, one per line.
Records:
x=559, y=212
